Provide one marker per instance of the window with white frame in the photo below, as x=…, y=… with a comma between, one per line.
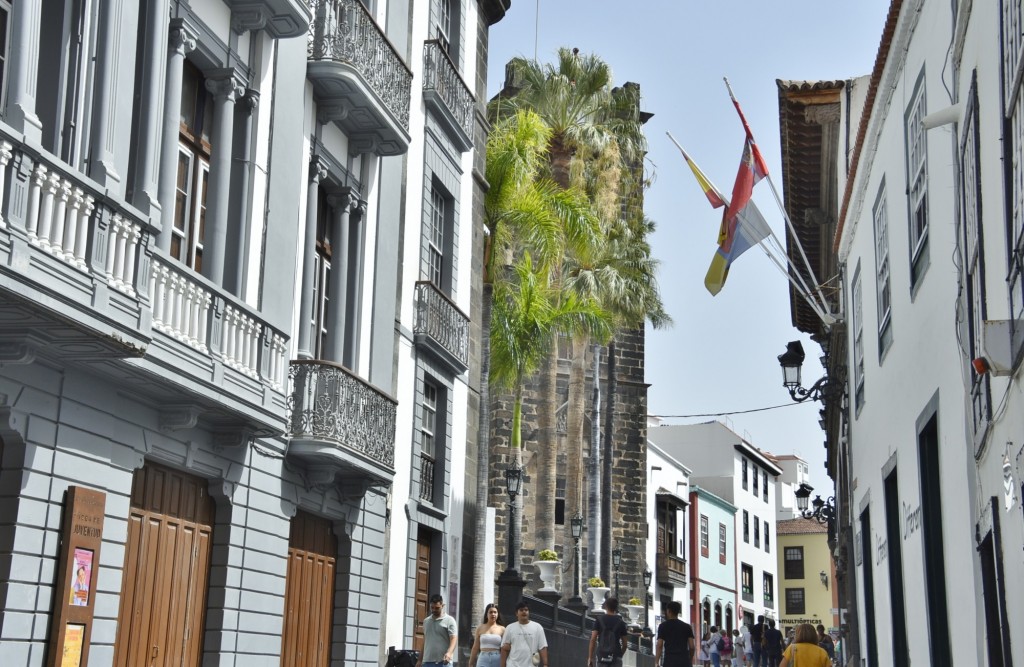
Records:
x=722, y=543
x=1012, y=46
x=757, y=533
x=744, y=474
x=769, y=589
x=193, y=169
x=704, y=537
x=746, y=527
x=880, y=217
x=321, y=277
x=5, y=40
x=444, y=24
x=756, y=493
x=767, y=539
x=437, y=236
x=917, y=178
x=857, y=327
x=764, y=485
x=428, y=439
x=973, y=261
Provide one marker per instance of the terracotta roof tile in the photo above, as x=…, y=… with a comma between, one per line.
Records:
x=799, y=526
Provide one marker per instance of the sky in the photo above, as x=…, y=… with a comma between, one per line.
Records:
x=721, y=353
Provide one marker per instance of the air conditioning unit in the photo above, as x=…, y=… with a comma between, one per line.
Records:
x=1001, y=345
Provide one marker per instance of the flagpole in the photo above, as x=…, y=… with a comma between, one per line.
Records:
x=801, y=288
x=778, y=201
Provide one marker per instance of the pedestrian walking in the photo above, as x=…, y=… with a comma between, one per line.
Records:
x=608, y=640
x=805, y=645
x=522, y=640
x=772, y=644
x=440, y=635
x=486, y=651
x=675, y=639
x=756, y=638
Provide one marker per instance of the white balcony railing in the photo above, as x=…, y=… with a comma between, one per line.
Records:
x=190, y=310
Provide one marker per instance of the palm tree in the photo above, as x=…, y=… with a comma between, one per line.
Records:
x=522, y=212
x=526, y=311
x=596, y=138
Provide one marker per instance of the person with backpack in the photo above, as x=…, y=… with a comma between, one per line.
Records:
x=725, y=648
x=715, y=647
x=826, y=642
x=608, y=640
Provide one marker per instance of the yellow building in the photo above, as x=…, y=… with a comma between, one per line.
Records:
x=807, y=590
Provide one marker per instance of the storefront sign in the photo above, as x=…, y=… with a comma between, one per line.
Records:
x=77, y=571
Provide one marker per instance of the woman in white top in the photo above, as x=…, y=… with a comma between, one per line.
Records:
x=487, y=640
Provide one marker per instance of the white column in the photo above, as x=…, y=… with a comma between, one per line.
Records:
x=225, y=90
x=342, y=204
x=181, y=41
x=155, y=71
x=101, y=165
x=23, y=69
x=317, y=172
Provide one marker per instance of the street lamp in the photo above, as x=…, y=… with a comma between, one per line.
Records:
x=576, y=528
x=791, y=361
x=824, y=511
x=616, y=562
x=648, y=575
x=514, y=484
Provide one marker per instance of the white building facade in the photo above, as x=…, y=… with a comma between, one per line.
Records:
x=733, y=469
x=668, y=545
x=929, y=248
x=238, y=256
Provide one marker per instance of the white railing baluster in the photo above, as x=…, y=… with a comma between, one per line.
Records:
x=46, y=209
x=35, y=195
x=71, y=235
x=60, y=219
x=84, y=228
x=6, y=153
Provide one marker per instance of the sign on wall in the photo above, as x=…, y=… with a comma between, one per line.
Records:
x=76, y=577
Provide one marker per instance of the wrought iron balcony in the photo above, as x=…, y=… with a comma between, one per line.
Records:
x=426, y=478
x=671, y=569
x=447, y=94
x=359, y=79
x=339, y=420
x=280, y=18
x=441, y=328
x=73, y=262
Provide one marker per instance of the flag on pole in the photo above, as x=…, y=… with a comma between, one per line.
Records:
x=743, y=226
x=749, y=228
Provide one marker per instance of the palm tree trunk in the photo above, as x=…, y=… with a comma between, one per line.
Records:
x=575, y=411
x=594, y=476
x=483, y=457
x=606, y=476
x=547, y=452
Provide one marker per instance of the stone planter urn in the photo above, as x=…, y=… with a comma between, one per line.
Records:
x=548, y=571
x=597, y=596
x=636, y=613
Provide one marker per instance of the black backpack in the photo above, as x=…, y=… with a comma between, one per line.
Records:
x=608, y=645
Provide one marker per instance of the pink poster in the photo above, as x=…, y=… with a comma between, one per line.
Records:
x=81, y=578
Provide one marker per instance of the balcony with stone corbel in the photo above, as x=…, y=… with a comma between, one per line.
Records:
x=339, y=422
x=359, y=79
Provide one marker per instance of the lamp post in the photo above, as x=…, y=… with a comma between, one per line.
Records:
x=648, y=575
x=824, y=511
x=791, y=360
x=514, y=484
x=616, y=562
x=576, y=527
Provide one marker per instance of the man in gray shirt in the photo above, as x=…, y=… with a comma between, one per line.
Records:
x=439, y=635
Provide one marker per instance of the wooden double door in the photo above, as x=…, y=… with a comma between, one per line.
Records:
x=166, y=569
x=309, y=593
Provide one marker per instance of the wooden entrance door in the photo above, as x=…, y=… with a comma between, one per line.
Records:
x=166, y=566
x=422, y=606
x=309, y=593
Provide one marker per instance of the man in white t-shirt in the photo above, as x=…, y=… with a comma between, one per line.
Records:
x=522, y=639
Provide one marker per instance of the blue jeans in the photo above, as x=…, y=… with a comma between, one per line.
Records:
x=758, y=657
x=716, y=660
x=489, y=659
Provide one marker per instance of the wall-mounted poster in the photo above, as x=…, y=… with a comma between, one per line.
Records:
x=74, y=638
x=81, y=576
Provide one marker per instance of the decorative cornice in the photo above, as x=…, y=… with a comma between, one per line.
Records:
x=178, y=417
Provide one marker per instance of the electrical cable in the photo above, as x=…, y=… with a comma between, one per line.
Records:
x=722, y=414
